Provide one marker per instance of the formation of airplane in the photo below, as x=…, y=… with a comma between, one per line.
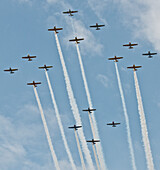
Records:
x=149, y=54
x=113, y=124
x=29, y=57
x=130, y=45
x=134, y=67
x=55, y=29
x=45, y=67
x=89, y=110
x=70, y=12
x=11, y=70
x=115, y=58
x=93, y=141
x=34, y=83
x=74, y=127
x=97, y=26
x=77, y=40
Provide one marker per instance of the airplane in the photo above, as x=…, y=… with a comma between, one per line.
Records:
x=77, y=40
x=75, y=127
x=149, y=54
x=11, y=70
x=134, y=67
x=70, y=12
x=89, y=110
x=93, y=141
x=29, y=57
x=97, y=26
x=34, y=83
x=130, y=45
x=115, y=58
x=55, y=29
x=45, y=67
x=113, y=124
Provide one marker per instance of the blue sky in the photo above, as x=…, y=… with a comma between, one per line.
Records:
x=24, y=25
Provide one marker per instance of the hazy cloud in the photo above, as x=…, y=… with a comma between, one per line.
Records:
x=103, y=79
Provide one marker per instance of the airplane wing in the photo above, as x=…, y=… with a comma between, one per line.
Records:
x=126, y=45
x=73, y=40
x=14, y=69
x=66, y=12
x=109, y=123
x=29, y=57
x=33, y=83
x=71, y=127
x=130, y=67
x=89, y=141
x=25, y=57
x=133, y=44
x=74, y=11
x=80, y=39
x=153, y=53
x=7, y=70
x=101, y=25
x=138, y=66
x=78, y=126
x=92, y=109
x=117, y=123
x=32, y=56
x=53, y=29
x=115, y=58
x=146, y=54
x=86, y=110
x=45, y=67
x=93, y=26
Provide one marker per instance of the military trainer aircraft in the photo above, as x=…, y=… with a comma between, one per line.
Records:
x=77, y=40
x=11, y=70
x=113, y=124
x=97, y=26
x=93, y=141
x=89, y=110
x=55, y=29
x=149, y=54
x=134, y=67
x=115, y=58
x=70, y=12
x=45, y=67
x=34, y=83
x=130, y=45
x=29, y=57
x=75, y=127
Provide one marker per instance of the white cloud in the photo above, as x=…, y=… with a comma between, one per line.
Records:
x=98, y=7
x=144, y=15
x=103, y=79
x=22, y=144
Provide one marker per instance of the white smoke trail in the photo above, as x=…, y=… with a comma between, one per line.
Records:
x=80, y=152
x=60, y=122
x=95, y=129
x=74, y=107
x=96, y=157
x=126, y=119
x=54, y=157
x=145, y=138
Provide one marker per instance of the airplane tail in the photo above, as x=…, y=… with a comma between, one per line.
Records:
x=97, y=28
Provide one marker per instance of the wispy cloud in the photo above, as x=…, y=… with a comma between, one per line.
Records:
x=145, y=19
x=103, y=79
x=99, y=8
x=21, y=144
